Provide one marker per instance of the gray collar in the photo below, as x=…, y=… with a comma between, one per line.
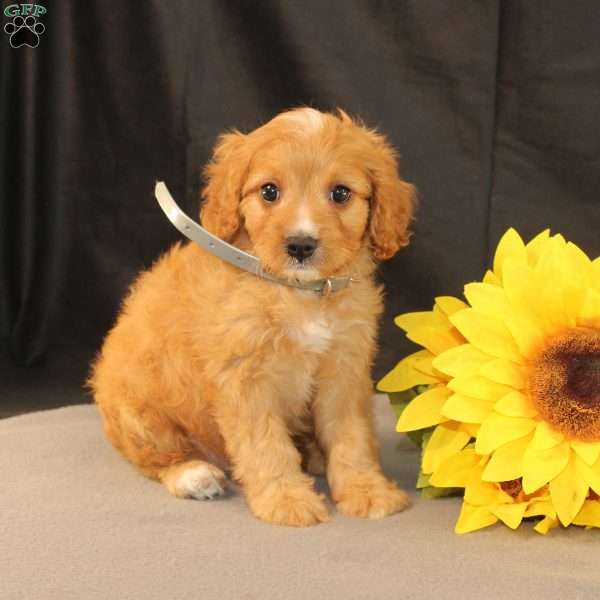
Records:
x=233, y=255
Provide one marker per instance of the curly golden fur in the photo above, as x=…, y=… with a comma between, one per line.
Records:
x=211, y=369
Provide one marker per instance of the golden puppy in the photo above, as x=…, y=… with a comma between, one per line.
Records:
x=208, y=364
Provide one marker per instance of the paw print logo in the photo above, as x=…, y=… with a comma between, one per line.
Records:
x=24, y=31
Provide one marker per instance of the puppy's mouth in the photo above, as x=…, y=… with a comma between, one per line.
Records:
x=301, y=270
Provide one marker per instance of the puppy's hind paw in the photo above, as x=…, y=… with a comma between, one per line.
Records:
x=195, y=479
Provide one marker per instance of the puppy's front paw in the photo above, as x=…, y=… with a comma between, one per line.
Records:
x=370, y=495
x=289, y=503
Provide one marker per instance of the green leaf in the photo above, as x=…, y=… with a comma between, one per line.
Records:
x=426, y=436
x=398, y=408
x=419, y=389
x=416, y=437
x=435, y=492
x=423, y=480
x=400, y=400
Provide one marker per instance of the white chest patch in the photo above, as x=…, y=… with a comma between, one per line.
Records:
x=313, y=335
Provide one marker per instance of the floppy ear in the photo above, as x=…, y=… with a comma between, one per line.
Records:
x=224, y=176
x=392, y=202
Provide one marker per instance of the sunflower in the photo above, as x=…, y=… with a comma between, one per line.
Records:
x=513, y=387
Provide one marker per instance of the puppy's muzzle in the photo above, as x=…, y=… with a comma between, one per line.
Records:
x=301, y=248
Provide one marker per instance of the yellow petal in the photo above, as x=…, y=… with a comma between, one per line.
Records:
x=468, y=410
x=417, y=320
x=506, y=372
x=471, y=428
x=545, y=437
x=596, y=268
x=483, y=493
x=589, y=313
x=587, y=451
x=515, y=404
x=510, y=514
x=591, y=475
x=541, y=466
x=553, y=298
x=405, y=375
x=424, y=410
x=430, y=329
x=568, y=492
x=488, y=334
x=424, y=364
x=528, y=334
x=580, y=265
x=456, y=470
x=545, y=525
x=589, y=515
x=526, y=319
x=540, y=508
x=510, y=246
x=492, y=279
x=520, y=284
x=445, y=441
x=462, y=360
x=472, y=518
x=435, y=339
x=574, y=298
x=480, y=387
x=498, y=430
x=536, y=246
x=523, y=319
x=506, y=463
x=449, y=305
x=487, y=298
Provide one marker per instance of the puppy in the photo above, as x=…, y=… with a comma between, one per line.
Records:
x=209, y=365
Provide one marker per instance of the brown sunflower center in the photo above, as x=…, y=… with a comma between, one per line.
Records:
x=513, y=487
x=564, y=383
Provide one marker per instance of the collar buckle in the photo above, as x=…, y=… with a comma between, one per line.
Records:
x=327, y=288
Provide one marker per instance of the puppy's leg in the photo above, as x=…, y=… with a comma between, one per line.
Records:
x=345, y=430
x=162, y=451
x=267, y=463
x=313, y=460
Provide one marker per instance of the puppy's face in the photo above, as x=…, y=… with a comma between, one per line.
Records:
x=310, y=190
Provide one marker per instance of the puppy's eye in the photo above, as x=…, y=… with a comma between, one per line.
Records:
x=340, y=194
x=270, y=192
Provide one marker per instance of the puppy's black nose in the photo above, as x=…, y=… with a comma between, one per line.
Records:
x=301, y=248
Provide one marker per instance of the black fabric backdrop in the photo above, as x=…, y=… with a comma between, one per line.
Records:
x=493, y=105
